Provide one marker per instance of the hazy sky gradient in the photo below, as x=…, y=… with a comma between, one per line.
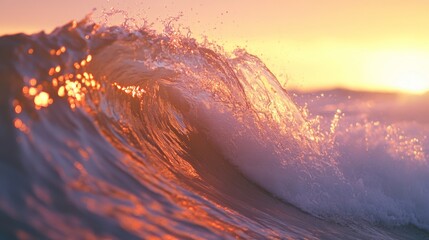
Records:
x=373, y=45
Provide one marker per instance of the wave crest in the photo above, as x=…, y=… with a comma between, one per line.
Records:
x=166, y=115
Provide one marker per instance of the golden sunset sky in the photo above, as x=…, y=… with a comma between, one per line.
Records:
x=376, y=45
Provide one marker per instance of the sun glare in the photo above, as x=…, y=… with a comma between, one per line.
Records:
x=410, y=80
x=400, y=71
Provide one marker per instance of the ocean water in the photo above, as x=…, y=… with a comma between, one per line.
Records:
x=112, y=133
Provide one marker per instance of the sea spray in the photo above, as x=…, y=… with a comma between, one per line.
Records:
x=118, y=133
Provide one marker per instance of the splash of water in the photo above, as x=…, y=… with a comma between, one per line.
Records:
x=138, y=130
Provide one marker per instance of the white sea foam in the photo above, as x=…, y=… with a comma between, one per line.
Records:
x=343, y=167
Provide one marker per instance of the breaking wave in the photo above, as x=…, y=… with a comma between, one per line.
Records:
x=110, y=132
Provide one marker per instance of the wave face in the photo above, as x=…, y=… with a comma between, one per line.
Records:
x=113, y=133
